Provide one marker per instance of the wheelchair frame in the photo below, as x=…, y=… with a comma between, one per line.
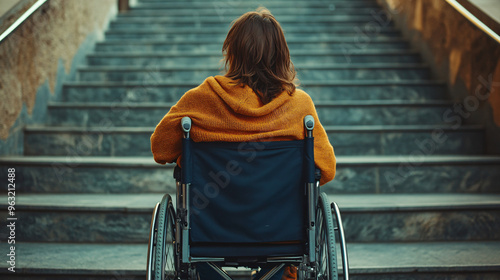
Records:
x=171, y=227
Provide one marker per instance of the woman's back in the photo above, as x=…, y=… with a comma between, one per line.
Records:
x=256, y=100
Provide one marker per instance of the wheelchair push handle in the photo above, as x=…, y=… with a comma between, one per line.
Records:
x=186, y=124
x=309, y=125
x=309, y=122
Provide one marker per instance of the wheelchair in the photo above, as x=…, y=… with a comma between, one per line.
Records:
x=248, y=204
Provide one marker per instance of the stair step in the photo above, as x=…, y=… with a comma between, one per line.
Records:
x=140, y=22
x=289, y=23
x=318, y=90
x=171, y=60
x=283, y=19
x=115, y=218
x=232, y=12
x=347, y=38
x=152, y=74
x=347, y=34
x=424, y=260
x=362, y=36
x=296, y=32
x=422, y=172
x=348, y=140
x=254, y=4
x=251, y=4
x=419, y=261
x=361, y=25
x=349, y=46
x=351, y=112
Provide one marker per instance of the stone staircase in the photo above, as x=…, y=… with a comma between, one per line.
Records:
x=420, y=196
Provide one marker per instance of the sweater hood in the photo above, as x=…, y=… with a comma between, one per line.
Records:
x=242, y=99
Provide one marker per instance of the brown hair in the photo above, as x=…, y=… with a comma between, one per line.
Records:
x=256, y=52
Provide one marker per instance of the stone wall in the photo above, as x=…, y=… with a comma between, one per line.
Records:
x=7, y=5
x=39, y=56
x=460, y=54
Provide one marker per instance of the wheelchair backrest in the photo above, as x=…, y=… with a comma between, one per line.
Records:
x=249, y=193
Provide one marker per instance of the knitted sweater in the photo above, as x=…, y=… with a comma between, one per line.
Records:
x=223, y=111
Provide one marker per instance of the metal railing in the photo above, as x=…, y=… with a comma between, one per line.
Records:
x=21, y=19
x=474, y=20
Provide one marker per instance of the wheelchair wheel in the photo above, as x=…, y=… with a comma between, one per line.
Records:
x=326, y=254
x=161, y=251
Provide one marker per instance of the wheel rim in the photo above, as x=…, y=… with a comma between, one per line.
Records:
x=164, y=242
x=169, y=256
x=322, y=250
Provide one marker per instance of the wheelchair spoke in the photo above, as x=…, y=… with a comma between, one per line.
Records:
x=323, y=251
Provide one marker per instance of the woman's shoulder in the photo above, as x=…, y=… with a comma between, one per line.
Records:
x=202, y=89
x=301, y=96
x=301, y=93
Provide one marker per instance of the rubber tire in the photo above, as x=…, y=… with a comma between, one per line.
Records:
x=165, y=232
x=325, y=240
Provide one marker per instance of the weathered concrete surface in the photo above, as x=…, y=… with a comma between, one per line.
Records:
x=29, y=57
x=460, y=54
x=367, y=261
x=7, y=5
x=11, y=10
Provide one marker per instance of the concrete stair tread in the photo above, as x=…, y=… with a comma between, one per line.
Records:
x=146, y=2
x=349, y=140
x=424, y=257
x=292, y=32
x=301, y=59
x=255, y=4
x=302, y=83
x=341, y=160
x=330, y=128
x=126, y=259
x=216, y=68
x=351, y=39
x=380, y=112
x=234, y=13
x=251, y=5
x=223, y=31
x=318, y=104
x=211, y=53
x=283, y=19
x=312, y=36
x=344, y=39
x=347, y=202
x=157, y=41
x=277, y=2
x=328, y=89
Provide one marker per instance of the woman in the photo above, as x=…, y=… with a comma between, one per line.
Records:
x=256, y=100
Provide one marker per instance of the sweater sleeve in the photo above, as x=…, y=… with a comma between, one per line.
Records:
x=166, y=140
x=324, y=156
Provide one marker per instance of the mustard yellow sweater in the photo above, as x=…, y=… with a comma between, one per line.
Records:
x=222, y=111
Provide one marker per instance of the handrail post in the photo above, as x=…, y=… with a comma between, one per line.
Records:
x=123, y=6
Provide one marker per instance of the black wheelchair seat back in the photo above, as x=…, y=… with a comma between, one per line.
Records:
x=247, y=199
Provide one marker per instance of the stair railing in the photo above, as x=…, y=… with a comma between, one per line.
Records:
x=474, y=20
x=21, y=19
